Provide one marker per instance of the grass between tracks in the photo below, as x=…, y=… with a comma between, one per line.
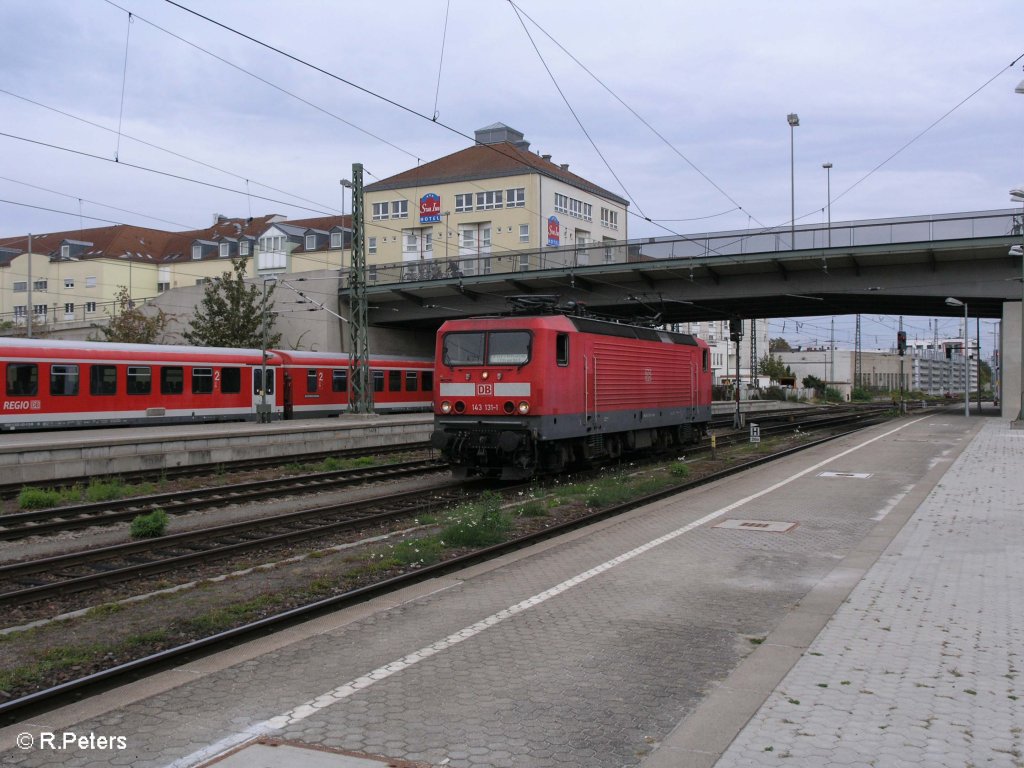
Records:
x=117, y=632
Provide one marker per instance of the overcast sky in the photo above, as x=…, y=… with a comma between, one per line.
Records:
x=715, y=81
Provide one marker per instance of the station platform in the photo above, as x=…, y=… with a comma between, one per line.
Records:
x=853, y=605
x=33, y=457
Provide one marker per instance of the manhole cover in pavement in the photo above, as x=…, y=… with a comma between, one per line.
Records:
x=767, y=526
x=854, y=475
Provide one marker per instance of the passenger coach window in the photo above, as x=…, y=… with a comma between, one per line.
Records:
x=311, y=380
x=394, y=381
x=172, y=381
x=103, y=380
x=231, y=381
x=378, y=381
x=202, y=381
x=22, y=379
x=339, y=380
x=508, y=347
x=411, y=381
x=63, y=380
x=562, y=349
x=428, y=381
x=140, y=380
x=463, y=349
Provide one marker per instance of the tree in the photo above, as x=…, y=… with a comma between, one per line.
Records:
x=779, y=345
x=231, y=313
x=773, y=368
x=813, y=382
x=130, y=325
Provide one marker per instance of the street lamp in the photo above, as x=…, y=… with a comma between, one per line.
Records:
x=828, y=198
x=264, y=410
x=951, y=302
x=794, y=121
x=345, y=184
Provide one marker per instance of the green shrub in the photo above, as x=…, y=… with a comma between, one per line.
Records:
x=105, y=490
x=477, y=525
x=678, y=469
x=149, y=526
x=38, y=498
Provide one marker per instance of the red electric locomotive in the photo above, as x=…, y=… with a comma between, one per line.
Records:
x=60, y=384
x=519, y=395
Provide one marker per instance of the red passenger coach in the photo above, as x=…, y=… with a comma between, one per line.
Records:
x=61, y=384
x=518, y=395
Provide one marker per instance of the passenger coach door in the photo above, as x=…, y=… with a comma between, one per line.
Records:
x=263, y=412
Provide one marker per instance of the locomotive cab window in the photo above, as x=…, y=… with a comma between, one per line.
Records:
x=493, y=347
x=231, y=381
x=202, y=381
x=562, y=349
x=103, y=380
x=140, y=380
x=22, y=379
x=339, y=380
x=172, y=381
x=63, y=380
x=704, y=359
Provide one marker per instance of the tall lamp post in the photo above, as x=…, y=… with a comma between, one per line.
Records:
x=345, y=184
x=794, y=121
x=264, y=409
x=951, y=302
x=828, y=198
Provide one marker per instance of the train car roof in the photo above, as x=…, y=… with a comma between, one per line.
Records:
x=42, y=348
x=573, y=322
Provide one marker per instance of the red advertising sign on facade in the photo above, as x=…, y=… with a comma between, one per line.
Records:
x=430, y=208
x=554, y=231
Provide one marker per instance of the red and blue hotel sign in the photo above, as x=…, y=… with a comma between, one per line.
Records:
x=554, y=231
x=430, y=208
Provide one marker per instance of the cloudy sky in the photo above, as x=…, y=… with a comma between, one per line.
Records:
x=676, y=105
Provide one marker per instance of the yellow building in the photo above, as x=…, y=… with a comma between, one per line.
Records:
x=489, y=208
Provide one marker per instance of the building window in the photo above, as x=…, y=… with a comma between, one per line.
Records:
x=90, y=306
x=609, y=218
x=41, y=310
x=400, y=209
x=69, y=282
x=524, y=233
x=515, y=198
x=69, y=311
x=90, y=282
x=463, y=203
x=418, y=243
x=310, y=242
x=20, y=311
x=197, y=252
x=65, y=252
x=371, y=245
x=486, y=201
x=336, y=239
x=225, y=250
x=39, y=285
x=21, y=286
x=561, y=203
x=380, y=211
x=163, y=287
x=243, y=248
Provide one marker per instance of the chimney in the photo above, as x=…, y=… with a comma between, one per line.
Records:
x=564, y=166
x=546, y=157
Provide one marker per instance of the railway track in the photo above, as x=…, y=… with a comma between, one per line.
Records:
x=11, y=490
x=46, y=521
x=50, y=577
x=27, y=705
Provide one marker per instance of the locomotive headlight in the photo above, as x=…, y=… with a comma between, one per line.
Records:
x=485, y=375
x=524, y=407
x=446, y=407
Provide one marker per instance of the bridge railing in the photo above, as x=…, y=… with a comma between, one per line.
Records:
x=707, y=245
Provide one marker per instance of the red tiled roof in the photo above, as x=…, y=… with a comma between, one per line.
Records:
x=484, y=161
